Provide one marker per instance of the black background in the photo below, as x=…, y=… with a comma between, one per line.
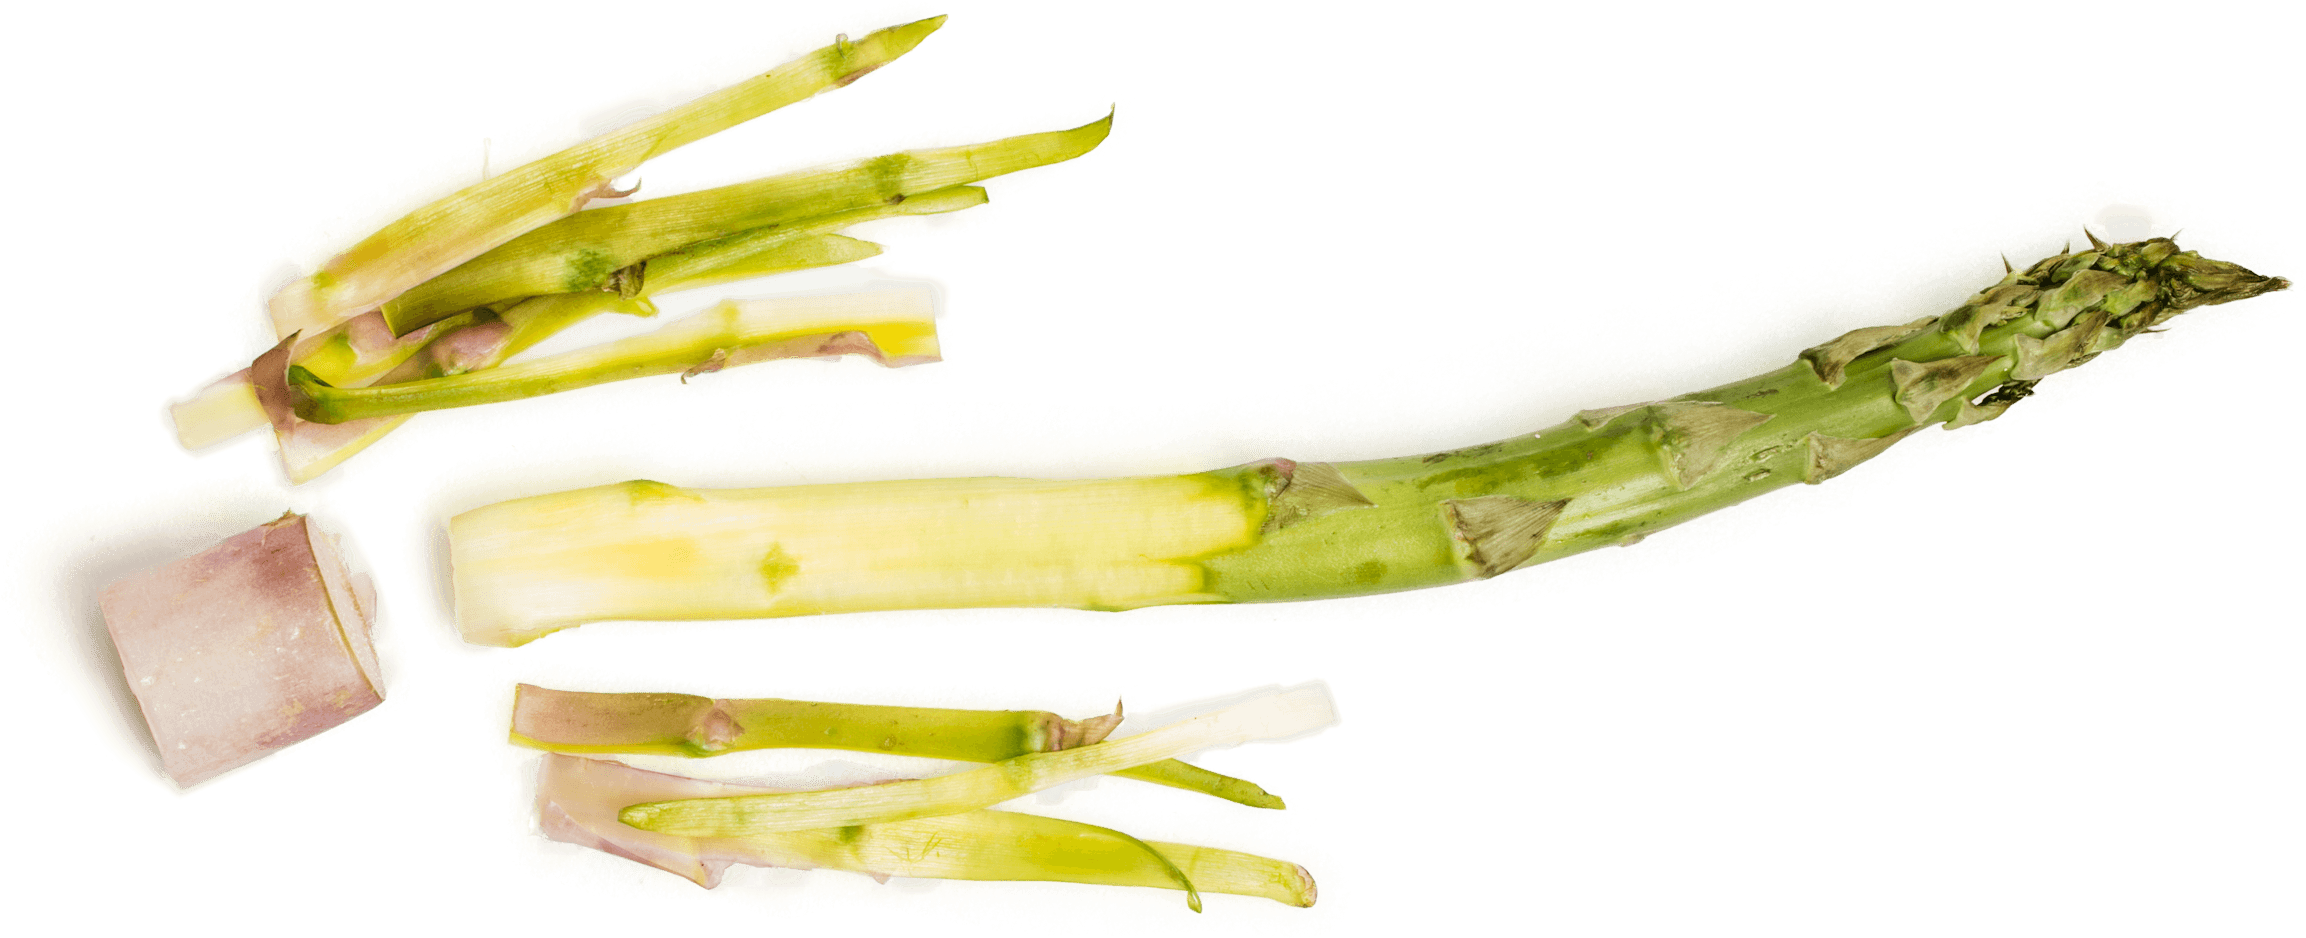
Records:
x=2060, y=713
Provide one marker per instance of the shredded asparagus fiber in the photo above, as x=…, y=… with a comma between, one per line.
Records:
x=1281, y=529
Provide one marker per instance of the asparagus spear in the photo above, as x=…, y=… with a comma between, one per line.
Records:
x=1281, y=529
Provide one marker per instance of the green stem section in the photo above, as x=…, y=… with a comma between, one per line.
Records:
x=586, y=250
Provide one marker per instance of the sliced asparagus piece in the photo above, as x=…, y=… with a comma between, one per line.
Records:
x=586, y=250
x=433, y=239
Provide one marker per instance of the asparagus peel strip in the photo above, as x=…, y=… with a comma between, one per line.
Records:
x=570, y=793
x=433, y=239
x=578, y=800
x=1285, y=530
x=587, y=250
x=692, y=726
x=1272, y=715
x=483, y=379
x=473, y=270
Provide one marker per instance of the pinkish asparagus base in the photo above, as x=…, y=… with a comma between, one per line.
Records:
x=244, y=648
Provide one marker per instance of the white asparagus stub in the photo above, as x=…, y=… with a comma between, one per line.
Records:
x=245, y=648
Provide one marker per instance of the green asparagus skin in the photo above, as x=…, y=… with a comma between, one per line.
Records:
x=1612, y=476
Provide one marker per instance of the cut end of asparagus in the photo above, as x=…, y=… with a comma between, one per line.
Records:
x=218, y=412
x=1294, y=713
x=662, y=724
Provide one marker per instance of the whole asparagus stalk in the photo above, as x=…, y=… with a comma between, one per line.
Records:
x=1281, y=529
